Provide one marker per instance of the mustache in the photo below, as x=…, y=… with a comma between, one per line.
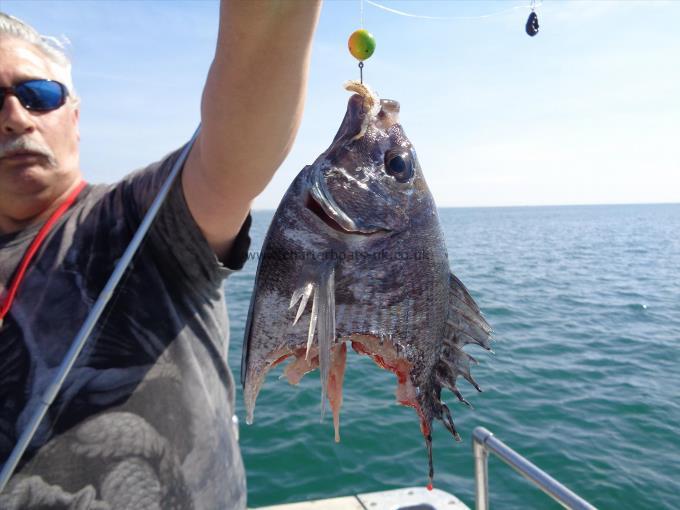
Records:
x=24, y=144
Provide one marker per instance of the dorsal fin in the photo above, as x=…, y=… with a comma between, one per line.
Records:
x=465, y=323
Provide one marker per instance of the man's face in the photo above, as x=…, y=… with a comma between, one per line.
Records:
x=33, y=178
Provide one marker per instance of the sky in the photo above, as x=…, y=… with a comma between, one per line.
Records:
x=585, y=112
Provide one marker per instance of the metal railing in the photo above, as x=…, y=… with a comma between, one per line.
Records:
x=484, y=442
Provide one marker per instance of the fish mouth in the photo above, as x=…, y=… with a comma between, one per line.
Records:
x=315, y=207
x=321, y=204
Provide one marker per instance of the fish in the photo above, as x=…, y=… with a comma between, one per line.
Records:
x=355, y=255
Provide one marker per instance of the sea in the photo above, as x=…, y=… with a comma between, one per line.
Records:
x=584, y=380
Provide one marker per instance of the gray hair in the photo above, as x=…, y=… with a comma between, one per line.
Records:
x=52, y=47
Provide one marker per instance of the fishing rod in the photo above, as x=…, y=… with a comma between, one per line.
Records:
x=86, y=329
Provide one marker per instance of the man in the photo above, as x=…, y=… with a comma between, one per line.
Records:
x=144, y=418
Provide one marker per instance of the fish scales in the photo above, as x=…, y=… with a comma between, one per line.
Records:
x=355, y=256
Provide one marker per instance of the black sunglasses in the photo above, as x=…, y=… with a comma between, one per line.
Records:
x=37, y=95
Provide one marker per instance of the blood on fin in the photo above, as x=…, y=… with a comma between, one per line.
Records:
x=335, y=380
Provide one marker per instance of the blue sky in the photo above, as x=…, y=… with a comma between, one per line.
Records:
x=588, y=111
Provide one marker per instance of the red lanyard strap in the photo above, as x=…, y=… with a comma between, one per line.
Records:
x=35, y=246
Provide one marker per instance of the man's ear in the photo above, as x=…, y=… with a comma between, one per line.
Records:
x=76, y=118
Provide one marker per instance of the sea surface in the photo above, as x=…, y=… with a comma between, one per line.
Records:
x=584, y=382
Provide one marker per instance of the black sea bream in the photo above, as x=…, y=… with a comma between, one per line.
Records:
x=355, y=255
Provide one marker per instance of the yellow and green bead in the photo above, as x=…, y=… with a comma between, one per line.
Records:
x=361, y=44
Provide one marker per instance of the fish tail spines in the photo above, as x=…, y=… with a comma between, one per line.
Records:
x=453, y=363
x=464, y=325
x=457, y=363
x=448, y=422
x=445, y=382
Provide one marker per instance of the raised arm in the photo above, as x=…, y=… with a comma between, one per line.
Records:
x=250, y=112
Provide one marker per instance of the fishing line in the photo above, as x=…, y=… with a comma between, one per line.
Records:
x=361, y=24
x=361, y=43
x=451, y=18
x=361, y=3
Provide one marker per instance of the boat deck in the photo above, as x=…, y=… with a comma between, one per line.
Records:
x=413, y=498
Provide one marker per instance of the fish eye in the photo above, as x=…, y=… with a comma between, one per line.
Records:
x=399, y=164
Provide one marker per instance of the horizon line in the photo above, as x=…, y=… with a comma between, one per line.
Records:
x=519, y=206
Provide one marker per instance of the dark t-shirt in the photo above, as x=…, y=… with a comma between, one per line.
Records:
x=144, y=420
